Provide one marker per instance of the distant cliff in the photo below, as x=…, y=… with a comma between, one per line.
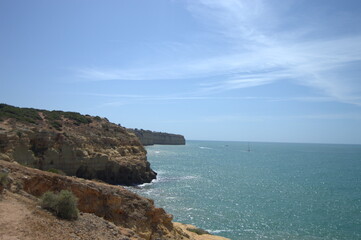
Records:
x=147, y=137
x=79, y=145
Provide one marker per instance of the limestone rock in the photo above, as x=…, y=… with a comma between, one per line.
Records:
x=79, y=145
x=113, y=203
x=147, y=137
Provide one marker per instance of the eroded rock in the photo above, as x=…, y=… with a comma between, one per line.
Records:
x=113, y=203
x=88, y=147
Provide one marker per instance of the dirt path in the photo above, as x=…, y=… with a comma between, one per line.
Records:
x=13, y=215
x=22, y=219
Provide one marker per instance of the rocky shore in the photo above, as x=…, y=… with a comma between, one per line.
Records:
x=107, y=211
x=94, y=153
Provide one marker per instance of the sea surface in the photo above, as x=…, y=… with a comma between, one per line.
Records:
x=275, y=191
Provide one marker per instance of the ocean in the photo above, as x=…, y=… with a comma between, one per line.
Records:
x=274, y=191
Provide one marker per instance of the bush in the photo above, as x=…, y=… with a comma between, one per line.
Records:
x=57, y=171
x=62, y=204
x=49, y=201
x=31, y=115
x=3, y=179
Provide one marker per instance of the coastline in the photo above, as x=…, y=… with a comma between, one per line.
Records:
x=43, y=151
x=128, y=214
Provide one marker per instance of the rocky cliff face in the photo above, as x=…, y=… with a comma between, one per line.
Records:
x=112, y=203
x=147, y=137
x=135, y=217
x=83, y=146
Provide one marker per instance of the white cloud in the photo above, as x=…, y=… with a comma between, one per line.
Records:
x=271, y=56
x=262, y=54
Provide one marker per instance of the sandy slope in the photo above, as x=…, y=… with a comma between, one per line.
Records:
x=22, y=219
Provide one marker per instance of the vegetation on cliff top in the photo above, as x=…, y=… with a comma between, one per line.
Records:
x=57, y=171
x=31, y=115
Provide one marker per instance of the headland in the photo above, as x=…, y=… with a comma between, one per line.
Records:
x=95, y=154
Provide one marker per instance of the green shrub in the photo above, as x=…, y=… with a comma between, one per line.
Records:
x=62, y=204
x=57, y=171
x=21, y=114
x=3, y=179
x=3, y=182
x=49, y=201
x=199, y=231
x=57, y=125
x=31, y=115
x=67, y=205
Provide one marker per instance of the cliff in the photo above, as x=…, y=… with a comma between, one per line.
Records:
x=79, y=145
x=108, y=211
x=147, y=137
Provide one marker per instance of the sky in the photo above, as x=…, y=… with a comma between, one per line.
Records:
x=233, y=70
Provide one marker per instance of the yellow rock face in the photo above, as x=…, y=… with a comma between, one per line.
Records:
x=113, y=203
x=95, y=149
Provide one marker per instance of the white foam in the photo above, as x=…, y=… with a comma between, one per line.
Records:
x=188, y=177
x=205, y=148
x=218, y=231
x=163, y=179
x=144, y=185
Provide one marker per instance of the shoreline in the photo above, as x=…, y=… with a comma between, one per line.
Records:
x=132, y=214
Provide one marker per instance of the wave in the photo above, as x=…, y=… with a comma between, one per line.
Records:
x=171, y=179
x=147, y=184
x=144, y=185
x=205, y=148
x=161, y=179
x=218, y=231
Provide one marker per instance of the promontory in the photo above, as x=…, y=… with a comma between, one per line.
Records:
x=39, y=147
x=148, y=137
x=79, y=145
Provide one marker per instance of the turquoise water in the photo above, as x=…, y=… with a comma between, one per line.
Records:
x=275, y=191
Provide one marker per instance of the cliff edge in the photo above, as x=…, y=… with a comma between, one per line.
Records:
x=107, y=211
x=79, y=145
x=147, y=137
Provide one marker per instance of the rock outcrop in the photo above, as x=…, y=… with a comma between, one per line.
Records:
x=147, y=137
x=22, y=218
x=113, y=203
x=79, y=145
x=133, y=214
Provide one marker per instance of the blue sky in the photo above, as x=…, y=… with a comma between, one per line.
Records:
x=246, y=70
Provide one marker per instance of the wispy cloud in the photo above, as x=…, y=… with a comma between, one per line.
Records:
x=125, y=99
x=264, y=52
x=214, y=119
x=275, y=55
